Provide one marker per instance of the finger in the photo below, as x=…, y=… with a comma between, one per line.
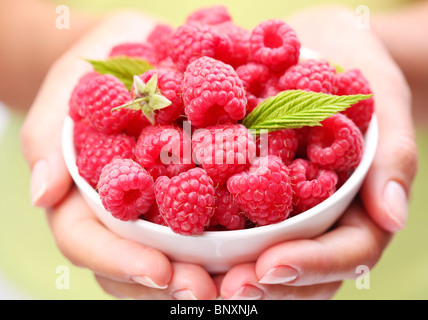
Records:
x=241, y=283
x=189, y=282
x=331, y=257
x=387, y=187
x=87, y=243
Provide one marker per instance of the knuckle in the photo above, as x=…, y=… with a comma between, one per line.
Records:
x=406, y=156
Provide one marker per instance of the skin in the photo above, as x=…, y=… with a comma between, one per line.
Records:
x=127, y=269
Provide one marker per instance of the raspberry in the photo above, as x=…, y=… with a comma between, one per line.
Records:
x=102, y=94
x=254, y=77
x=161, y=150
x=240, y=39
x=264, y=191
x=186, y=201
x=77, y=98
x=271, y=87
x=81, y=131
x=282, y=143
x=98, y=150
x=192, y=41
x=153, y=215
x=227, y=212
x=302, y=138
x=210, y=15
x=126, y=189
x=353, y=82
x=167, y=63
x=135, y=50
x=212, y=93
x=223, y=150
x=311, y=185
x=169, y=84
x=159, y=40
x=337, y=144
x=310, y=75
x=274, y=44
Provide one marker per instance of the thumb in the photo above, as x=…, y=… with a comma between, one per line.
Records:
x=41, y=140
x=387, y=187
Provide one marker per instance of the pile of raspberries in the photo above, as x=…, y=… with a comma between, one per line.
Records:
x=197, y=168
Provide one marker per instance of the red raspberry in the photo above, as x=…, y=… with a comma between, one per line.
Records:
x=99, y=149
x=271, y=87
x=254, y=77
x=102, y=94
x=311, y=185
x=353, y=82
x=227, y=212
x=282, y=143
x=126, y=189
x=81, y=131
x=223, y=150
x=167, y=63
x=264, y=191
x=186, y=201
x=77, y=98
x=169, y=84
x=274, y=44
x=302, y=144
x=159, y=39
x=240, y=43
x=153, y=215
x=337, y=144
x=162, y=150
x=212, y=93
x=210, y=15
x=192, y=41
x=135, y=50
x=310, y=75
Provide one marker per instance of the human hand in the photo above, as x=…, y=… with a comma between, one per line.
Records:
x=122, y=268
x=314, y=268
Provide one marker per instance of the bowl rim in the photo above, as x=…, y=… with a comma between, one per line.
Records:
x=370, y=146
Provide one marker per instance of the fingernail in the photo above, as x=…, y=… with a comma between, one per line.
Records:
x=39, y=181
x=148, y=282
x=396, y=205
x=280, y=274
x=248, y=292
x=184, y=294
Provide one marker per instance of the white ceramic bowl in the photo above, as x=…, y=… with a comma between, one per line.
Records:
x=217, y=251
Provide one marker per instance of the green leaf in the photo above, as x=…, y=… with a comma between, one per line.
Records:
x=123, y=68
x=148, y=98
x=296, y=109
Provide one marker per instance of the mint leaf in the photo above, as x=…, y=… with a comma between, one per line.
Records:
x=296, y=109
x=123, y=68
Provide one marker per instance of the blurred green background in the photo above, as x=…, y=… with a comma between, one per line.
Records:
x=29, y=257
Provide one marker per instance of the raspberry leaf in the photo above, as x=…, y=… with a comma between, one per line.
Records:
x=123, y=68
x=296, y=109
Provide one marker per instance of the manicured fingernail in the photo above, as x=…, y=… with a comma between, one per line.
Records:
x=280, y=274
x=396, y=205
x=148, y=282
x=39, y=181
x=184, y=294
x=248, y=292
